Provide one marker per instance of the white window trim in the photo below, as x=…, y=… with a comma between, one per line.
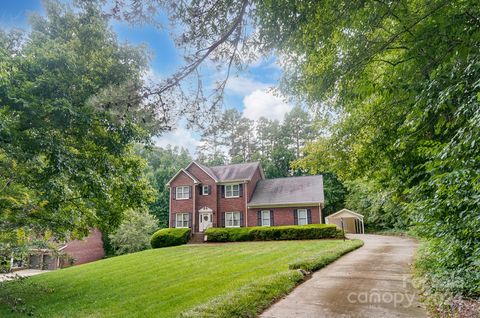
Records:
x=231, y=186
x=183, y=192
x=183, y=220
x=203, y=190
x=266, y=212
x=233, y=219
x=305, y=218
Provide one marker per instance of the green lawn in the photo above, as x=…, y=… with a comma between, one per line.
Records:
x=166, y=282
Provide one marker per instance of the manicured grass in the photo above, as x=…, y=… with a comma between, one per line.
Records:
x=192, y=279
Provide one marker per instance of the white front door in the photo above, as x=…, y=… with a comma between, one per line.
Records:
x=205, y=221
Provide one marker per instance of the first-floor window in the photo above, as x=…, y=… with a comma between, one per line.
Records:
x=302, y=216
x=232, y=219
x=266, y=218
x=182, y=220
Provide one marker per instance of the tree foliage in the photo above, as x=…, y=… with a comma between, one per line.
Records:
x=163, y=164
x=70, y=110
x=133, y=234
x=401, y=79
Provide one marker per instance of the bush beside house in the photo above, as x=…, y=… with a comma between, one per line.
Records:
x=169, y=237
x=271, y=233
x=133, y=234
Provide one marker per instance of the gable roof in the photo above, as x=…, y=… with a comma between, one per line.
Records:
x=288, y=191
x=195, y=180
x=344, y=211
x=205, y=169
x=236, y=172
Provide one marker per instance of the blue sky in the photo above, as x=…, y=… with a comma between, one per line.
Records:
x=246, y=91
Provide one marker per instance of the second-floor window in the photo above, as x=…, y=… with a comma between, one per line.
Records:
x=205, y=190
x=232, y=190
x=182, y=192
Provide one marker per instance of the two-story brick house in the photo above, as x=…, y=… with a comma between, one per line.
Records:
x=239, y=195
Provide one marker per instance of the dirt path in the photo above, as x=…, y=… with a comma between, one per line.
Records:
x=373, y=281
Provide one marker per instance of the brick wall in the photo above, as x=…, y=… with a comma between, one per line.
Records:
x=230, y=204
x=183, y=205
x=209, y=201
x=87, y=250
x=283, y=216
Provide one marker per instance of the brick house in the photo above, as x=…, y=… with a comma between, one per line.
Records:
x=238, y=195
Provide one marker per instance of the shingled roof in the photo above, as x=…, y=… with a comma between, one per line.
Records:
x=234, y=172
x=288, y=191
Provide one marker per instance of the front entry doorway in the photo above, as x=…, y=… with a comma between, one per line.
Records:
x=205, y=216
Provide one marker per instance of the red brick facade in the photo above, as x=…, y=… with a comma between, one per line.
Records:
x=284, y=216
x=87, y=250
x=219, y=204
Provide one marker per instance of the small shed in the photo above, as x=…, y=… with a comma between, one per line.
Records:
x=352, y=221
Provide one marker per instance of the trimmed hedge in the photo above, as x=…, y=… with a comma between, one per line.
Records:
x=272, y=233
x=169, y=237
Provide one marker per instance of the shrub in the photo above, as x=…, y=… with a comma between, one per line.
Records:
x=134, y=232
x=270, y=233
x=169, y=237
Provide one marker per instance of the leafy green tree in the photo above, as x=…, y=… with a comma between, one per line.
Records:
x=401, y=78
x=70, y=110
x=163, y=164
x=133, y=234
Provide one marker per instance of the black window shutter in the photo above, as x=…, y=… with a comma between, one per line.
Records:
x=174, y=220
x=240, y=189
x=271, y=218
x=309, y=216
x=174, y=193
x=190, y=192
x=259, y=218
x=223, y=220
x=200, y=189
x=190, y=220
x=209, y=189
x=223, y=190
x=241, y=219
x=295, y=217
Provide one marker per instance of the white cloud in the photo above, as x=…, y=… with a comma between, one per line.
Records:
x=180, y=137
x=243, y=85
x=262, y=103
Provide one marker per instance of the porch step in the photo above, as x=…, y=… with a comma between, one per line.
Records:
x=197, y=238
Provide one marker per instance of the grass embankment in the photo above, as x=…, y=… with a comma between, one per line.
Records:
x=220, y=280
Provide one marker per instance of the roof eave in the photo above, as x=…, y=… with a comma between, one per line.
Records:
x=201, y=168
x=283, y=204
x=195, y=181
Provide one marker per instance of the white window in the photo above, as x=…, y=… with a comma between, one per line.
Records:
x=232, y=219
x=182, y=220
x=205, y=190
x=232, y=190
x=266, y=218
x=183, y=192
x=302, y=216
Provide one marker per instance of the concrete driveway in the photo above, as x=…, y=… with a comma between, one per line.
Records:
x=22, y=273
x=372, y=281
